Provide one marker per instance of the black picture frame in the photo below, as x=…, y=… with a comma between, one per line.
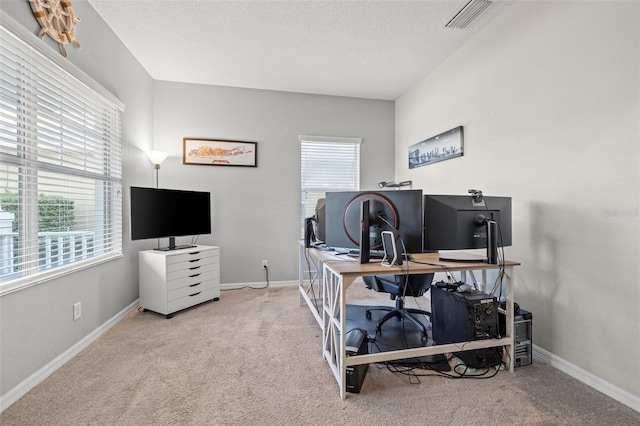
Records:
x=445, y=146
x=219, y=152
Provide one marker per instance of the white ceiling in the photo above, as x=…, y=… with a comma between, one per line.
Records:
x=365, y=49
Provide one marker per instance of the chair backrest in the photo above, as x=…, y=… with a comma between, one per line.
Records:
x=416, y=284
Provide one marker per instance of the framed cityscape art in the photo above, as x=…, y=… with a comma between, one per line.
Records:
x=444, y=146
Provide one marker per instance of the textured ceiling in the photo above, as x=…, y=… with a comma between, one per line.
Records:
x=366, y=49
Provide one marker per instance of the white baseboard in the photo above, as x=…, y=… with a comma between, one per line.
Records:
x=587, y=378
x=258, y=285
x=39, y=376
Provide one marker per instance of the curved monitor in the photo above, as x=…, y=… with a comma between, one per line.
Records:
x=399, y=210
x=463, y=222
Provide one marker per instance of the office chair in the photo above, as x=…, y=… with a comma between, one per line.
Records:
x=399, y=286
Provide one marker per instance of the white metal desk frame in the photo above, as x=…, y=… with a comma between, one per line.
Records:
x=333, y=283
x=310, y=280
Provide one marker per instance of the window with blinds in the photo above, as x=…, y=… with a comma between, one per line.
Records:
x=60, y=166
x=327, y=164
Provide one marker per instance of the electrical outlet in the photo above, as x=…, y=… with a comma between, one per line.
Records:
x=77, y=311
x=265, y=264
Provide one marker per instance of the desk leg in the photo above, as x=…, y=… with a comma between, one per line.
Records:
x=509, y=315
x=310, y=270
x=302, y=272
x=334, y=320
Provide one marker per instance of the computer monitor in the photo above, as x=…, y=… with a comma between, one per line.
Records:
x=399, y=210
x=319, y=219
x=463, y=222
x=169, y=213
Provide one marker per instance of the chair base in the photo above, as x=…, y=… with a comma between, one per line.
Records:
x=400, y=313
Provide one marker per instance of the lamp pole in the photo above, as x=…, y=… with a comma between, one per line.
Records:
x=157, y=167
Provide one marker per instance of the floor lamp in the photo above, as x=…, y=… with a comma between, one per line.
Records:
x=157, y=157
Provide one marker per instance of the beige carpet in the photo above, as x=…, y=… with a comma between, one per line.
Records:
x=253, y=358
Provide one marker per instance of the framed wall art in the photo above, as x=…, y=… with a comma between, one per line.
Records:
x=218, y=152
x=444, y=146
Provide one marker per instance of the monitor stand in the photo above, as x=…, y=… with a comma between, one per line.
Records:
x=173, y=246
x=492, y=248
x=365, y=245
x=186, y=246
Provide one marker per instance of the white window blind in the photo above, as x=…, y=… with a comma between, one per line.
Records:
x=327, y=164
x=60, y=167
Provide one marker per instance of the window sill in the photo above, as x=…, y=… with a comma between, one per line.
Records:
x=42, y=277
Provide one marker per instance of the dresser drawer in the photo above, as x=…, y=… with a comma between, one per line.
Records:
x=191, y=256
x=194, y=270
x=191, y=264
x=193, y=278
x=198, y=287
x=185, y=302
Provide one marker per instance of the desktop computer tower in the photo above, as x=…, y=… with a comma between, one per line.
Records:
x=522, y=336
x=357, y=343
x=466, y=316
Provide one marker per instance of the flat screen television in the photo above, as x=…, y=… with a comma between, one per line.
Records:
x=169, y=213
x=395, y=210
x=463, y=222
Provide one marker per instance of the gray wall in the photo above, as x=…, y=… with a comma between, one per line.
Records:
x=36, y=323
x=256, y=211
x=548, y=95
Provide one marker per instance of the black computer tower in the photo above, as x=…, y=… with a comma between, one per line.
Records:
x=466, y=316
x=357, y=343
x=523, y=337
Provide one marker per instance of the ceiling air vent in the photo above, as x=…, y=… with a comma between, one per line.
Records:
x=468, y=13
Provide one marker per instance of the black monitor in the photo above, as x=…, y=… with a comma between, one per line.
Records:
x=319, y=218
x=399, y=210
x=169, y=213
x=463, y=222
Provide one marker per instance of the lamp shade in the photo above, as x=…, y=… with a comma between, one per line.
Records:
x=157, y=157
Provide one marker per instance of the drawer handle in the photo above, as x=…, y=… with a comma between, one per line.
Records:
x=194, y=260
x=193, y=276
x=195, y=267
x=195, y=252
x=194, y=285
x=195, y=294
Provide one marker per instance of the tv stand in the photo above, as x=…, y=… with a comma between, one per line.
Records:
x=177, y=279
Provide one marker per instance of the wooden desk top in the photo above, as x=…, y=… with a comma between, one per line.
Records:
x=420, y=263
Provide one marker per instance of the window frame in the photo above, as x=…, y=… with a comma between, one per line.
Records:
x=330, y=141
x=109, y=181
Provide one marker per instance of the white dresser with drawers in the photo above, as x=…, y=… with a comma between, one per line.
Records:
x=178, y=279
